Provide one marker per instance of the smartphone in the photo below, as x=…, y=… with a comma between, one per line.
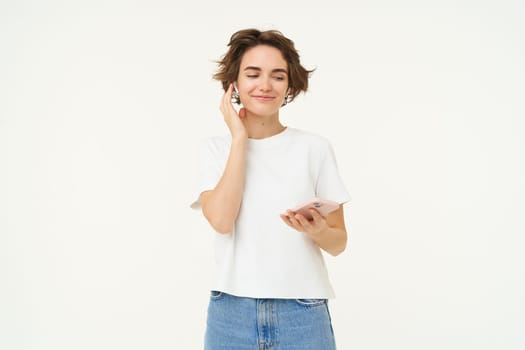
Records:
x=323, y=206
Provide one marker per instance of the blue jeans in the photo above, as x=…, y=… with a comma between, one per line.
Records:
x=238, y=323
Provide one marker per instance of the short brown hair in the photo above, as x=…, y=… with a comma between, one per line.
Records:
x=245, y=39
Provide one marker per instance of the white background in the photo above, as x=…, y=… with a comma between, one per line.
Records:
x=102, y=106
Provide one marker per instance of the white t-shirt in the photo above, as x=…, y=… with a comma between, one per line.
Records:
x=263, y=257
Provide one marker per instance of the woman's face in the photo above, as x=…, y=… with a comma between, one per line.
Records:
x=263, y=80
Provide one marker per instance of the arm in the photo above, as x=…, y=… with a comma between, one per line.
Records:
x=329, y=233
x=221, y=205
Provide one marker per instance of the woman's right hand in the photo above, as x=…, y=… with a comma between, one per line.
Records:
x=234, y=120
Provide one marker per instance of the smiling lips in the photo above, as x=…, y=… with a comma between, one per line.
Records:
x=263, y=98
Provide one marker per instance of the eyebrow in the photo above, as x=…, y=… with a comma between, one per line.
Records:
x=276, y=70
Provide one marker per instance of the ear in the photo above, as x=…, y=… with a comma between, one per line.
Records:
x=235, y=86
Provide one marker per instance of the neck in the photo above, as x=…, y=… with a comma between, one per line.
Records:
x=260, y=127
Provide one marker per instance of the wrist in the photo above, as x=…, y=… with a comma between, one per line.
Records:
x=240, y=139
x=319, y=235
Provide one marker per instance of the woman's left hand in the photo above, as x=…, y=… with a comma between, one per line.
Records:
x=312, y=228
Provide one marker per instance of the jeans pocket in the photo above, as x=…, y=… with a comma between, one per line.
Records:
x=311, y=302
x=216, y=295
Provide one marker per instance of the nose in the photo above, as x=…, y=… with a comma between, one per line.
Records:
x=265, y=85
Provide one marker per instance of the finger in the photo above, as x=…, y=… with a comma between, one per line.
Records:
x=227, y=108
x=225, y=97
x=316, y=216
x=242, y=112
x=228, y=92
x=290, y=214
x=228, y=99
x=303, y=221
x=286, y=220
x=291, y=221
x=291, y=217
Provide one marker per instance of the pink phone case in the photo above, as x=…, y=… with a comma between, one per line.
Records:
x=323, y=206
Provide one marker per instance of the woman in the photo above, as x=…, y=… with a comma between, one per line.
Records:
x=271, y=285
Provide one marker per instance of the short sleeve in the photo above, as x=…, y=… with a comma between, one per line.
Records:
x=209, y=170
x=329, y=183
